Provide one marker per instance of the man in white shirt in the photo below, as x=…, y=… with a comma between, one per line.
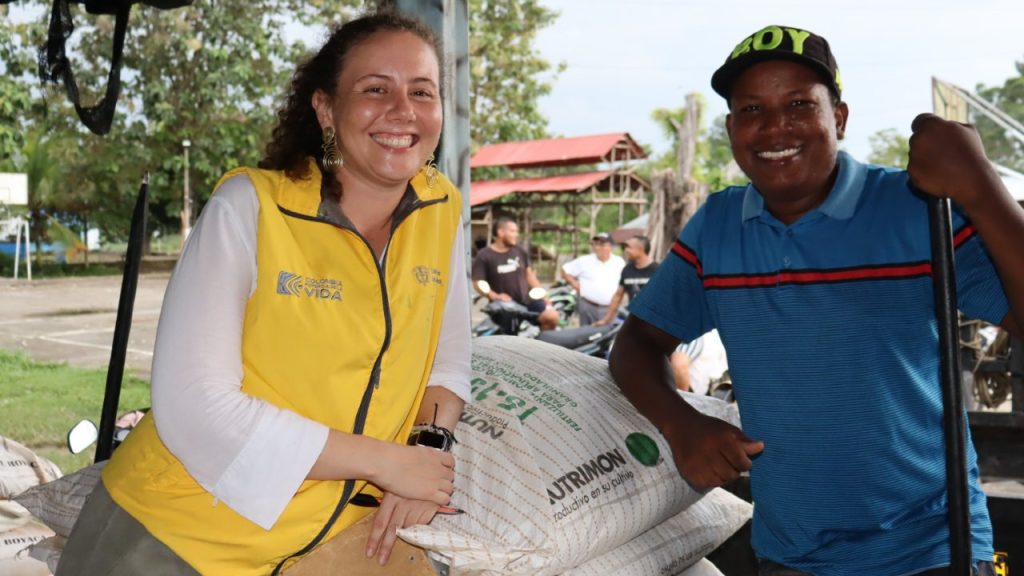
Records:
x=595, y=277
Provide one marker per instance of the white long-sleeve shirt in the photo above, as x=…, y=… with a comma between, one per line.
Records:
x=246, y=452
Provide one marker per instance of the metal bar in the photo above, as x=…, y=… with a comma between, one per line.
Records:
x=953, y=419
x=450, y=21
x=17, y=247
x=123, y=323
x=28, y=249
x=1014, y=128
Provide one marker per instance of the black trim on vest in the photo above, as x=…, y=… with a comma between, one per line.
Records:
x=406, y=207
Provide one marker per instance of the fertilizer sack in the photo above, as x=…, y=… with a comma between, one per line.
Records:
x=678, y=544
x=553, y=465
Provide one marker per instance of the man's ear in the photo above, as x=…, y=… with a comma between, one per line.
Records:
x=842, y=113
x=322, y=105
x=728, y=125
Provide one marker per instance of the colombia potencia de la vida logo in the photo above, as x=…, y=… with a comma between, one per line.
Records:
x=290, y=284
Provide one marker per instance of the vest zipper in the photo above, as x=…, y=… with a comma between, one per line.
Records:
x=374, y=383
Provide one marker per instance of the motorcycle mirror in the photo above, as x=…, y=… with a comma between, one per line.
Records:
x=484, y=286
x=537, y=293
x=82, y=435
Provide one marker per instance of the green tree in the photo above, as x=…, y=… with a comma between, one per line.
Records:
x=714, y=162
x=212, y=73
x=507, y=76
x=718, y=168
x=668, y=119
x=889, y=148
x=16, y=65
x=1000, y=147
x=38, y=163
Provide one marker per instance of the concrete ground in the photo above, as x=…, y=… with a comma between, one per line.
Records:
x=72, y=319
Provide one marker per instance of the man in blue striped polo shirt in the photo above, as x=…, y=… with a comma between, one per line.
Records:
x=818, y=277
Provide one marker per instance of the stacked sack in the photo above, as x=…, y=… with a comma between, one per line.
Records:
x=20, y=470
x=558, y=473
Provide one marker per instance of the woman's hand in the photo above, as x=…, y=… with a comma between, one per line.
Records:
x=395, y=512
x=415, y=472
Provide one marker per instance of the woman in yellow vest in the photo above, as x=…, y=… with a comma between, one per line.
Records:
x=318, y=312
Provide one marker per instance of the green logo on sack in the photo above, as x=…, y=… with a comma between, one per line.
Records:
x=643, y=448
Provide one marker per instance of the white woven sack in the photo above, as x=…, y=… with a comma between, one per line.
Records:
x=14, y=544
x=554, y=465
x=21, y=469
x=677, y=543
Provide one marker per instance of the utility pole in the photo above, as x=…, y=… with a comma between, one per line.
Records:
x=450, y=21
x=186, y=203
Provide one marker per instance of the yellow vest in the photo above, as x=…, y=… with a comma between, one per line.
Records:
x=328, y=334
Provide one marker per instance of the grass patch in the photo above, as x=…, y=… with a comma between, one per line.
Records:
x=41, y=401
x=49, y=268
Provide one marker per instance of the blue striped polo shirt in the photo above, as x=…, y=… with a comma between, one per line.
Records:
x=830, y=328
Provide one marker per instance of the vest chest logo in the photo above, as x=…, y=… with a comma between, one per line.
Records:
x=289, y=284
x=426, y=275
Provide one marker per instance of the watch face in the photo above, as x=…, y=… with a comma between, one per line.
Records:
x=430, y=439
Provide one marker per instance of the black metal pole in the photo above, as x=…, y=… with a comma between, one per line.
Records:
x=953, y=418
x=123, y=323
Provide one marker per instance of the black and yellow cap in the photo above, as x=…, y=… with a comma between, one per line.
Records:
x=779, y=43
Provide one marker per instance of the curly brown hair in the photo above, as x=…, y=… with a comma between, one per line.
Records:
x=297, y=135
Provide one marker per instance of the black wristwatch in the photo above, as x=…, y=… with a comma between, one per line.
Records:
x=433, y=437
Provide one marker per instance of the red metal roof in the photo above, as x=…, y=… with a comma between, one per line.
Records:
x=559, y=151
x=483, y=191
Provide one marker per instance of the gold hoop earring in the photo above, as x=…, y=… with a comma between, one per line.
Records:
x=332, y=159
x=432, y=171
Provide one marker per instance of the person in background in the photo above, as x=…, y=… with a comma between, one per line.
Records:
x=639, y=269
x=694, y=363
x=595, y=277
x=316, y=325
x=817, y=275
x=505, y=266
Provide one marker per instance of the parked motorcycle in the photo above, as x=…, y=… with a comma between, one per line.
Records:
x=507, y=317
x=562, y=298
x=985, y=354
x=513, y=319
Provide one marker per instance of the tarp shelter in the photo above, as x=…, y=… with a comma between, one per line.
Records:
x=635, y=227
x=486, y=190
x=555, y=152
x=614, y=185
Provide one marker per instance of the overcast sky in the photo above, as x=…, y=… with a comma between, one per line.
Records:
x=626, y=58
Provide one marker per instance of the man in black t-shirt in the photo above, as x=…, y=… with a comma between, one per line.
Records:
x=505, y=266
x=639, y=270
x=640, y=267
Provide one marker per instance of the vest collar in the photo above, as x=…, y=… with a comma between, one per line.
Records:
x=310, y=197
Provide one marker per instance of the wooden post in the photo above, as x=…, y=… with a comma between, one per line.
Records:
x=677, y=196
